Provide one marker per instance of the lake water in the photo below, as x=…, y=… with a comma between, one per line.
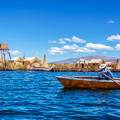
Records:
x=39, y=96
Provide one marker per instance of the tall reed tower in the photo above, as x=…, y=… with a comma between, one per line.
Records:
x=5, y=53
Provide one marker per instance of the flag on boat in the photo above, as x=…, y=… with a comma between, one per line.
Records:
x=105, y=72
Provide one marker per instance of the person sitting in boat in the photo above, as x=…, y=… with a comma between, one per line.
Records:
x=105, y=73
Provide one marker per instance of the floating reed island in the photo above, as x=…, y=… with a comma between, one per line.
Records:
x=34, y=63
x=87, y=67
x=21, y=63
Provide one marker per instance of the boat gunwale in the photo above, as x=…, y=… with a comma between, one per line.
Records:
x=85, y=78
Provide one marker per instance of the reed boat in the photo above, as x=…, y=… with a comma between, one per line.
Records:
x=41, y=68
x=89, y=82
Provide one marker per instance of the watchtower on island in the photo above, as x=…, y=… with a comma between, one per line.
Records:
x=5, y=53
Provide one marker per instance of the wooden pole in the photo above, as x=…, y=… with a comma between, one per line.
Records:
x=111, y=79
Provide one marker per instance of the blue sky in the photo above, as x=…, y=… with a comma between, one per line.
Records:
x=61, y=28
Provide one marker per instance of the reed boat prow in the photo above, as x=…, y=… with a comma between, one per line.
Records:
x=89, y=82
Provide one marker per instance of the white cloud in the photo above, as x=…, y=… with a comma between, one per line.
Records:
x=74, y=39
x=77, y=40
x=61, y=41
x=98, y=46
x=111, y=21
x=15, y=53
x=76, y=48
x=15, y=58
x=69, y=48
x=114, y=37
x=117, y=46
x=85, y=50
x=67, y=39
x=56, y=50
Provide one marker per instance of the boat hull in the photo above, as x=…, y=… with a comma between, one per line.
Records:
x=88, y=83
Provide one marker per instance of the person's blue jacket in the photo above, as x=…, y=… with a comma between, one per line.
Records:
x=106, y=73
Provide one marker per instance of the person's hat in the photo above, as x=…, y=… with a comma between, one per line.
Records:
x=102, y=66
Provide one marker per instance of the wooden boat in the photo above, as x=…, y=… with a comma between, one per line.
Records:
x=89, y=82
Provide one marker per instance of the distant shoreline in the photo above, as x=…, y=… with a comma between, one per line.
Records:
x=51, y=71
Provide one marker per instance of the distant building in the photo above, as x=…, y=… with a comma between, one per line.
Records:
x=90, y=61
